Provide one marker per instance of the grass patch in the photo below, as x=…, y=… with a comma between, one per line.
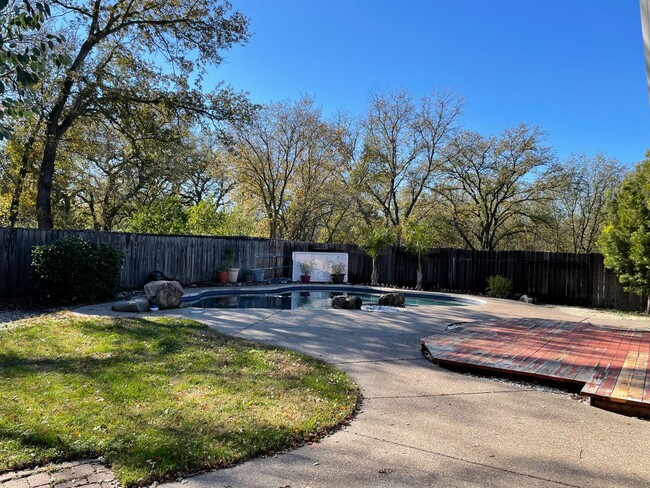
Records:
x=156, y=397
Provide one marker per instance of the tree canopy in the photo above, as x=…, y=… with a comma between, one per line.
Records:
x=625, y=242
x=25, y=50
x=137, y=53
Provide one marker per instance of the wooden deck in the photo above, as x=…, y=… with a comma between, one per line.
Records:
x=611, y=363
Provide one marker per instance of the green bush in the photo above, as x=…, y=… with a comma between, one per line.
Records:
x=74, y=270
x=499, y=286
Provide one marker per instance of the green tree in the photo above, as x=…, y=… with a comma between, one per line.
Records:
x=418, y=237
x=25, y=50
x=374, y=242
x=625, y=242
x=208, y=217
x=165, y=216
x=138, y=53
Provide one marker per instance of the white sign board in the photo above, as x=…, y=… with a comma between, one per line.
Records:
x=322, y=262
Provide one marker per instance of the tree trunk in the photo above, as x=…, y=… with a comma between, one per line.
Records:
x=20, y=181
x=18, y=189
x=374, y=278
x=647, y=307
x=56, y=127
x=44, y=195
x=418, y=284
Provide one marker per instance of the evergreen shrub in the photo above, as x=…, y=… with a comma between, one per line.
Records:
x=74, y=270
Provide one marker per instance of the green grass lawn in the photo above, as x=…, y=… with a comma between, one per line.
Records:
x=156, y=397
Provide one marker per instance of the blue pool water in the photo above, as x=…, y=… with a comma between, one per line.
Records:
x=305, y=298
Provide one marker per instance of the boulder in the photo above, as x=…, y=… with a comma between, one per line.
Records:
x=526, y=299
x=139, y=304
x=351, y=302
x=165, y=294
x=157, y=276
x=392, y=299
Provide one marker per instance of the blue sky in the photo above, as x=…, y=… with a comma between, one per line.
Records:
x=575, y=68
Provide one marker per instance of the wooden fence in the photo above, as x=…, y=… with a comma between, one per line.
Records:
x=189, y=259
x=561, y=278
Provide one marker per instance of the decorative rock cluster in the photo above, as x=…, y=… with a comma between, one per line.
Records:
x=349, y=302
x=354, y=302
x=164, y=293
x=392, y=300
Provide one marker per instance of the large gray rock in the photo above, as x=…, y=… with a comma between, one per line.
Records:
x=351, y=302
x=165, y=294
x=139, y=304
x=392, y=300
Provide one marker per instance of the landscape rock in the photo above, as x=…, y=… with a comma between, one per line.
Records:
x=526, y=299
x=157, y=276
x=392, y=299
x=350, y=302
x=139, y=304
x=165, y=294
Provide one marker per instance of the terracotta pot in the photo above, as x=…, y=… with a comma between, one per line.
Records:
x=305, y=278
x=222, y=276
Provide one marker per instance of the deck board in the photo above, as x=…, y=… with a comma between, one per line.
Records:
x=611, y=363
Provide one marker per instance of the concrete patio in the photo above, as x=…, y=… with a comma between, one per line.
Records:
x=421, y=425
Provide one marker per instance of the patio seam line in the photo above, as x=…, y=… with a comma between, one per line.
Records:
x=456, y=458
x=256, y=323
x=443, y=395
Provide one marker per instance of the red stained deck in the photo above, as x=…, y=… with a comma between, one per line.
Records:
x=611, y=363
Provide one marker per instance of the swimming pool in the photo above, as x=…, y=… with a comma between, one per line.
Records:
x=314, y=297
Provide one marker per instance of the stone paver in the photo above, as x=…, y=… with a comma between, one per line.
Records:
x=79, y=474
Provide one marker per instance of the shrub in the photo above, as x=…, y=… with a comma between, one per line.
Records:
x=74, y=270
x=499, y=286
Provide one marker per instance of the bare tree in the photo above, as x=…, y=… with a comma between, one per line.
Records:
x=283, y=161
x=401, y=145
x=205, y=172
x=580, y=199
x=490, y=184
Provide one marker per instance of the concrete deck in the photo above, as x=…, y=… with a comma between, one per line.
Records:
x=421, y=425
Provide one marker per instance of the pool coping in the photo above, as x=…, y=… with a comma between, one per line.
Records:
x=209, y=292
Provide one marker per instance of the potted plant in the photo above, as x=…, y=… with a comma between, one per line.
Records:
x=338, y=272
x=306, y=267
x=249, y=276
x=233, y=273
x=222, y=276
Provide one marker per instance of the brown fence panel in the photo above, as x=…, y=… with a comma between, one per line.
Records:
x=561, y=278
x=189, y=259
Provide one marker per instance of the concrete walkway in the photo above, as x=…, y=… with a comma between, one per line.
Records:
x=424, y=426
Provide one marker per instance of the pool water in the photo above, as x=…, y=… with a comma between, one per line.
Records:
x=307, y=300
